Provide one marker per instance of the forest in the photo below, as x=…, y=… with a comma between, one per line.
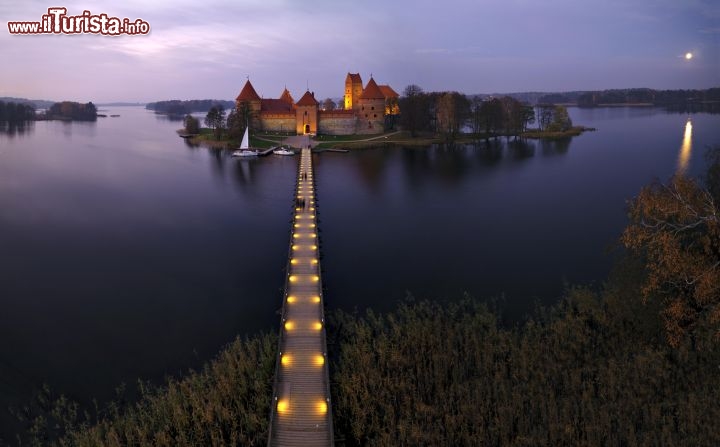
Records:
x=12, y=112
x=68, y=110
x=180, y=108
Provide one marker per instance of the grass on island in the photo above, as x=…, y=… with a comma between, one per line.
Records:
x=388, y=139
x=550, y=135
x=207, y=138
x=371, y=141
x=405, y=139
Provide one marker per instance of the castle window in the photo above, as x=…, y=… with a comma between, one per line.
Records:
x=372, y=108
x=374, y=115
x=366, y=115
x=306, y=113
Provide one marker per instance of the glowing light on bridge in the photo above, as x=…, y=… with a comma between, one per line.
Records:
x=322, y=407
x=319, y=360
x=283, y=406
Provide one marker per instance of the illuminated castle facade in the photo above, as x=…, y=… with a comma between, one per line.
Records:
x=364, y=110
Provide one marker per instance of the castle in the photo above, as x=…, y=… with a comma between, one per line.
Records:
x=364, y=110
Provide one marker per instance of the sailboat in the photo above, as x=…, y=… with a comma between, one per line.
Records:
x=245, y=150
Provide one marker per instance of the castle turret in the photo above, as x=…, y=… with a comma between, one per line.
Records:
x=353, y=90
x=249, y=96
x=372, y=109
x=287, y=97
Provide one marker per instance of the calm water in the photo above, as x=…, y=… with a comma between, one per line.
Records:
x=125, y=253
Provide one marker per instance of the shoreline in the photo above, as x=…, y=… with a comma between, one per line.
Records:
x=391, y=139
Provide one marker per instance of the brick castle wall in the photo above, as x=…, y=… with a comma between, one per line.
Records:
x=337, y=123
x=272, y=122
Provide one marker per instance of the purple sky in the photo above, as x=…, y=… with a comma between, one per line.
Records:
x=205, y=49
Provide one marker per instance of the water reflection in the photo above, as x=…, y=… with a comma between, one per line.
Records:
x=448, y=164
x=168, y=117
x=685, y=148
x=19, y=128
x=521, y=149
x=558, y=146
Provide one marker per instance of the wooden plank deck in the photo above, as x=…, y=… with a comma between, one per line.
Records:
x=301, y=412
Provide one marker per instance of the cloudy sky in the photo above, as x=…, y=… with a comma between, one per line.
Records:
x=205, y=49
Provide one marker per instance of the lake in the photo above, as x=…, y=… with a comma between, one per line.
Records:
x=126, y=253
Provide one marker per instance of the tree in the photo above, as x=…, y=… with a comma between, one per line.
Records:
x=412, y=105
x=545, y=114
x=236, y=124
x=561, y=120
x=476, y=121
x=528, y=116
x=245, y=115
x=192, y=125
x=512, y=115
x=492, y=115
x=215, y=120
x=452, y=110
x=328, y=104
x=675, y=228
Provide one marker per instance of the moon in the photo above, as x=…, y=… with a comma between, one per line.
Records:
x=688, y=55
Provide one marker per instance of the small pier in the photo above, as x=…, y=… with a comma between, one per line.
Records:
x=300, y=411
x=265, y=152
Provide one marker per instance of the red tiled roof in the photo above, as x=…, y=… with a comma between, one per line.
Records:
x=275, y=105
x=354, y=77
x=388, y=91
x=372, y=91
x=308, y=99
x=287, y=97
x=248, y=93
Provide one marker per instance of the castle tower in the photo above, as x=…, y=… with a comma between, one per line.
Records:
x=287, y=97
x=306, y=113
x=371, y=114
x=249, y=96
x=353, y=90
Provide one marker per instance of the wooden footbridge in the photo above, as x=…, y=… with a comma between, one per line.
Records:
x=301, y=412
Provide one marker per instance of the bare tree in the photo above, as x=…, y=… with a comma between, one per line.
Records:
x=328, y=104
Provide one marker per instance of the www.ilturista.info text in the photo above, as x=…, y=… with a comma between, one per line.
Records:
x=56, y=21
